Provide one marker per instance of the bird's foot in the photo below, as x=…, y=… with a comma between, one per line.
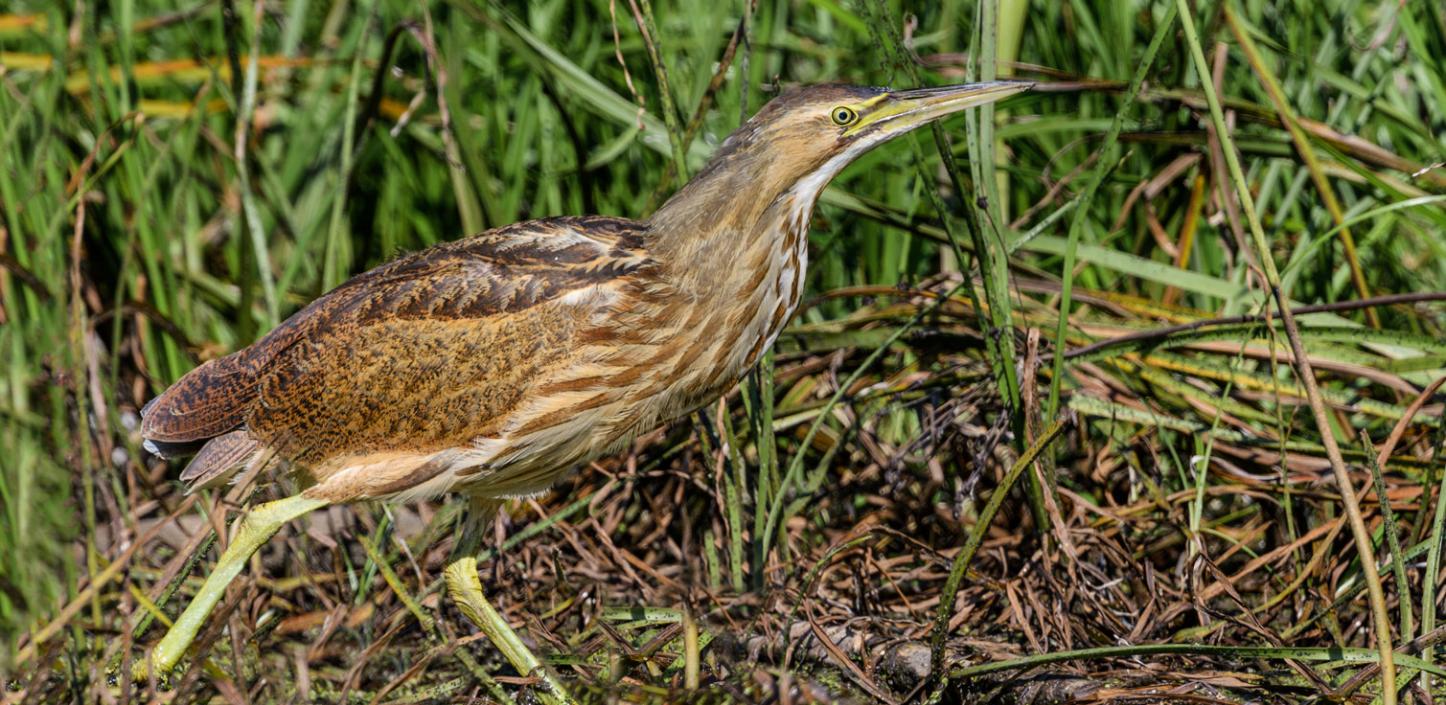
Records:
x=465, y=588
x=256, y=528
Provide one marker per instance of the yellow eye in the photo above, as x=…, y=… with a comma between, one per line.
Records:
x=844, y=116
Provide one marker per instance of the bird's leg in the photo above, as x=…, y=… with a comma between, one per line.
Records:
x=256, y=528
x=475, y=518
x=465, y=588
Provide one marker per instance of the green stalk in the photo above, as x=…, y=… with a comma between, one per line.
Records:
x=332, y=267
x=1011, y=15
x=1272, y=653
x=1433, y=571
x=469, y=205
x=245, y=256
x=1081, y=212
x=660, y=70
x=995, y=318
x=976, y=538
x=250, y=215
x=1304, y=370
x=989, y=242
x=992, y=252
x=758, y=398
x=1393, y=541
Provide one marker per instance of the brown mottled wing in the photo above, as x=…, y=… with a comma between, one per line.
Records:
x=417, y=348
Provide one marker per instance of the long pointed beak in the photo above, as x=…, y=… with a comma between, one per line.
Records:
x=902, y=111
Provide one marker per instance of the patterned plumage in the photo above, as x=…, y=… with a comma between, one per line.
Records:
x=495, y=364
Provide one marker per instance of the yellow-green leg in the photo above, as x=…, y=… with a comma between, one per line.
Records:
x=466, y=590
x=257, y=527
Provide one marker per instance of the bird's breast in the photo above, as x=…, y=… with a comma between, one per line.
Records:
x=753, y=309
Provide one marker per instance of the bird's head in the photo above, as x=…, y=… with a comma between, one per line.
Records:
x=801, y=139
x=824, y=127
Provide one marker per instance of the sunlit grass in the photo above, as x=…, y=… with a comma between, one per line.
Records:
x=134, y=244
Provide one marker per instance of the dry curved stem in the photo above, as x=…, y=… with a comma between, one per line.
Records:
x=1359, y=531
x=1291, y=122
x=1166, y=331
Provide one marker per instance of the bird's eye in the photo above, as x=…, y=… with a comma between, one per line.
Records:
x=844, y=116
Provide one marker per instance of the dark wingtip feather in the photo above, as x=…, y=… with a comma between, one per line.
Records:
x=219, y=459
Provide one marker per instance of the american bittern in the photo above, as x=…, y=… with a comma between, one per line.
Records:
x=493, y=365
